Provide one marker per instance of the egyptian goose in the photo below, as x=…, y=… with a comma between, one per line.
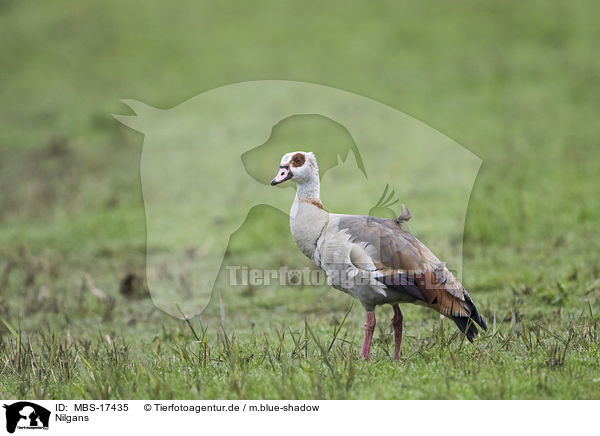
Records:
x=373, y=259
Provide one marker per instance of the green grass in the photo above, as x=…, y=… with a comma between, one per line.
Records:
x=514, y=82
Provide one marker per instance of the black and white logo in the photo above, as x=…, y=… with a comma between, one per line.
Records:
x=26, y=415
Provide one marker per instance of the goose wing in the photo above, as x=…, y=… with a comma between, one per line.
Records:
x=404, y=263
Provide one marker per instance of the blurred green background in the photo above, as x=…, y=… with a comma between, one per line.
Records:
x=514, y=82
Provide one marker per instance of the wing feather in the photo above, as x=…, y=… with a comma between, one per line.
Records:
x=395, y=253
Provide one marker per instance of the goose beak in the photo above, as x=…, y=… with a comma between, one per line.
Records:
x=284, y=174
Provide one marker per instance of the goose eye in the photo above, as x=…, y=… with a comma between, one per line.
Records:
x=298, y=160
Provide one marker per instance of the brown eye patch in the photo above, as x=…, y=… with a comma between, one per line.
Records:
x=298, y=160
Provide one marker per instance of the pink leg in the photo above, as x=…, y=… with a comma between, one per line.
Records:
x=397, y=324
x=369, y=329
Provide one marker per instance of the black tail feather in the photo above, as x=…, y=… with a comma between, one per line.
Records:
x=479, y=319
x=466, y=324
x=475, y=316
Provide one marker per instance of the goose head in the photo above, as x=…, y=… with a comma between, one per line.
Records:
x=299, y=166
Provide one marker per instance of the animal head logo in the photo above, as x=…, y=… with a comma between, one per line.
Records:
x=24, y=414
x=206, y=162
